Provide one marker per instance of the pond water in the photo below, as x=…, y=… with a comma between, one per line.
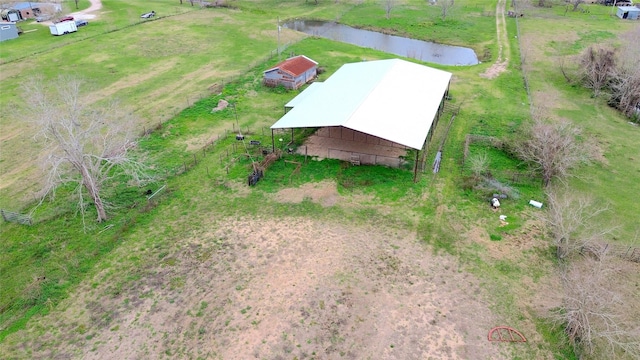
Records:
x=411, y=48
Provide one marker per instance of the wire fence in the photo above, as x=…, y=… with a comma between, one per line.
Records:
x=250, y=144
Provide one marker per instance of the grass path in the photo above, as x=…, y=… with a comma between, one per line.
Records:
x=503, y=44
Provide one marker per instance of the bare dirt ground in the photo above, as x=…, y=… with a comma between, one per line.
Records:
x=366, y=148
x=289, y=288
x=503, y=44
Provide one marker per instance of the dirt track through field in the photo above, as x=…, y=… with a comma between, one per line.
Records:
x=282, y=289
x=503, y=44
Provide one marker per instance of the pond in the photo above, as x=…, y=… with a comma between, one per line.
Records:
x=411, y=48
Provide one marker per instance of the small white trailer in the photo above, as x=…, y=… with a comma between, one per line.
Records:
x=62, y=28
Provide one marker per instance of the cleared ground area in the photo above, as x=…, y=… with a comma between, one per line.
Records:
x=277, y=289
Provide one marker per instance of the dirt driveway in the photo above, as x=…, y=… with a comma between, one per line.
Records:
x=88, y=13
x=501, y=63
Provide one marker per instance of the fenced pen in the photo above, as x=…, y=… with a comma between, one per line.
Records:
x=514, y=176
x=227, y=154
x=626, y=252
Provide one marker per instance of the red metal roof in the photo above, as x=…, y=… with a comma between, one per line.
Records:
x=296, y=65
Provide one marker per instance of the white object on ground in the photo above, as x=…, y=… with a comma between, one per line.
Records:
x=536, y=204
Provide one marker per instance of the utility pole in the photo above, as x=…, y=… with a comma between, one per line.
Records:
x=235, y=111
x=278, y=50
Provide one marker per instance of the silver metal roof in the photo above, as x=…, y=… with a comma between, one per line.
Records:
x=392, y=99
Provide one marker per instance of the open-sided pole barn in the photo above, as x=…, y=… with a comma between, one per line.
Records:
x=366, y=106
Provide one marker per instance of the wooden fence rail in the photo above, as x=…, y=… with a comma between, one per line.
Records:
x=631, y=253
x=10, y=216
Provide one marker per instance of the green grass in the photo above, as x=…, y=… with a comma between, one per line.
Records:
x=43, y=264
x=553, y=334
x=610, y=180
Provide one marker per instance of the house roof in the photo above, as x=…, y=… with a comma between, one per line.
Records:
x=27, y=5
x=295, y=66
x=23, y=5
x=629, y=8
x=392, y=99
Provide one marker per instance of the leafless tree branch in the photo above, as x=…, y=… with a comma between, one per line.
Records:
x=572, y=221
x=445, y=8
x=551, y=148
x=597, y=65
x=594, y=311
x=83, y=144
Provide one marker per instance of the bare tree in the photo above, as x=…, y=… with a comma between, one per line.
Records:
x=551, y=148
x=83, y=145
x=597, y=65
x=571, y=220
x=479, y=164
x=625, y=91
x=625, y=85
x=575, y=4
x=445, y=8
x=594, y=312
x=388, y=7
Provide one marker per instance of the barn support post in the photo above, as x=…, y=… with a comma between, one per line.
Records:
x=291, y=136
x=415, y=167
x=273, y=142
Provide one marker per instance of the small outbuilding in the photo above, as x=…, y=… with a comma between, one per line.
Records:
x=8, y=31
x=11, y=15
x=27, y=10
x=628, y=12
x=30, y=10
x=291, y=73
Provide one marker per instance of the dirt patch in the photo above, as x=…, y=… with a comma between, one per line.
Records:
x=324, y=193
x=280, y=289
x=367, y=148
x=511, y=245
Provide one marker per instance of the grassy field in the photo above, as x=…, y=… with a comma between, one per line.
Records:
x=173, y=70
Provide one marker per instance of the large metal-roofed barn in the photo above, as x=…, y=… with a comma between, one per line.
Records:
x=291, y=73
x=370, y=112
